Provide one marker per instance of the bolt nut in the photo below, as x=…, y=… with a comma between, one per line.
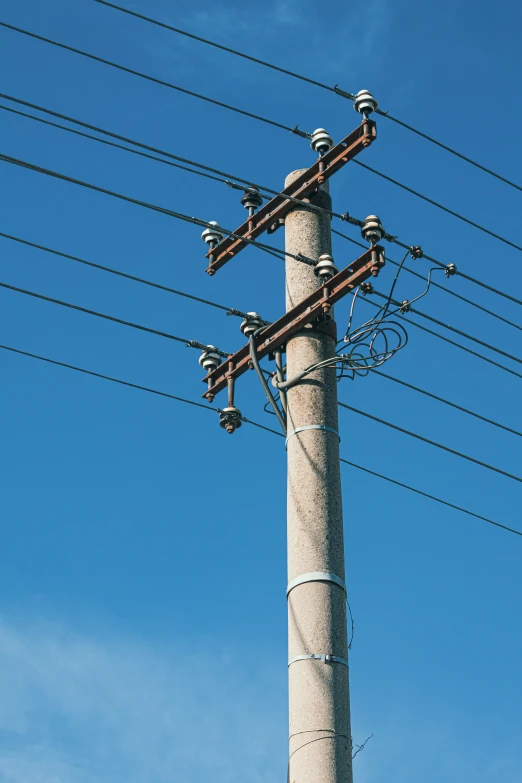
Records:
x=365, y=103
x=372, y=229
x=210, y=358
x=212, y=236
x=230, y=419
x=252, y=199
x=325, y=267
x=251, y=324
x=321, y=142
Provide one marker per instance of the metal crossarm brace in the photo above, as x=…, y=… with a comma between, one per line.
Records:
x=312, y=307
x=270, y=215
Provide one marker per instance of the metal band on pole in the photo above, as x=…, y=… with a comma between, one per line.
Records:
x=316, y=576
x=312, y=427
x=324, y=657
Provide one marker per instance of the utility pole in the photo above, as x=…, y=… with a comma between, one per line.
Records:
x=320, y=736
x=320, y=733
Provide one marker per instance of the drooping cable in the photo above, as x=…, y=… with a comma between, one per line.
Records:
x=431, y=442
x=200, y=405
x=262, y=379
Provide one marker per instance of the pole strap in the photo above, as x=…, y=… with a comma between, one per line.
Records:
x=316, y=576
x=324, y=657
x=312, y=427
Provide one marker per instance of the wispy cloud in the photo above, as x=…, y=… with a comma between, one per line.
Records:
x=77, y=710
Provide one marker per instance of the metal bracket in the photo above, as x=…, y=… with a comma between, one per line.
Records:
x=313, y=427
x=316, y=576
x=324, y=657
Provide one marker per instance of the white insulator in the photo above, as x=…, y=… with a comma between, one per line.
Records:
x=364, y=102
x=321, y=141
x=210, y=359
x=251, y=324
x=212, y=236
x=372, y=229
x=325, y=267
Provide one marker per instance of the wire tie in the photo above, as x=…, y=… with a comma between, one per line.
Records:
x=316, y=576
x=312, y=427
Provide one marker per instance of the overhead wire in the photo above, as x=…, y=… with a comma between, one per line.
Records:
x=446, y=402
x=336, y=89
x=235, y=311
x=431, y=442
x=436, y=285
x=122, y=322
x=126, y=275
x=154, y=79
x=227, y=179
x=200, y=405
x=438, y=205
x=163, y=210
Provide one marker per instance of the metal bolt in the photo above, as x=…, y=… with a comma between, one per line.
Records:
x=366, y=288
x=450, y=270
x=416, y=251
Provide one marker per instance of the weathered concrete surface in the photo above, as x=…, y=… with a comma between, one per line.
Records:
x=320, y=744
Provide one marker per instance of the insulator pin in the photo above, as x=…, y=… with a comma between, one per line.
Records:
x=321, y=141
x=230, y=419
x=251, y=324
x=365, y=103
x=372, y=229
x=325, y=267
x=212, y=236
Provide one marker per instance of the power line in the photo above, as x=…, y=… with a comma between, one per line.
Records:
x=446, y=402
x=436, y=204
x=227, y=310
x=455, y=330
x=452, y=342
x=200, y=405
x=335, y=89
x=162, y=82
x=431, y=497
x=179, y=215
x=436, y=285
x=234, y=311
x=226, y=180
x=131, y=324
x=431, y=442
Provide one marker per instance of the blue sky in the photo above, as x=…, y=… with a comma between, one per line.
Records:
x=143, y=621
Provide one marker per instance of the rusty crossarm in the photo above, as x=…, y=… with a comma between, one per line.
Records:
x=301, y=188
x=294, y=320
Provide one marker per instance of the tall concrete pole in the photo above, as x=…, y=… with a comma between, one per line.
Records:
x=320, y=735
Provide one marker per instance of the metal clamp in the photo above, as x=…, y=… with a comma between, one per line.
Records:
x=316, y=576
x=312, y=427
x=324, y=657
